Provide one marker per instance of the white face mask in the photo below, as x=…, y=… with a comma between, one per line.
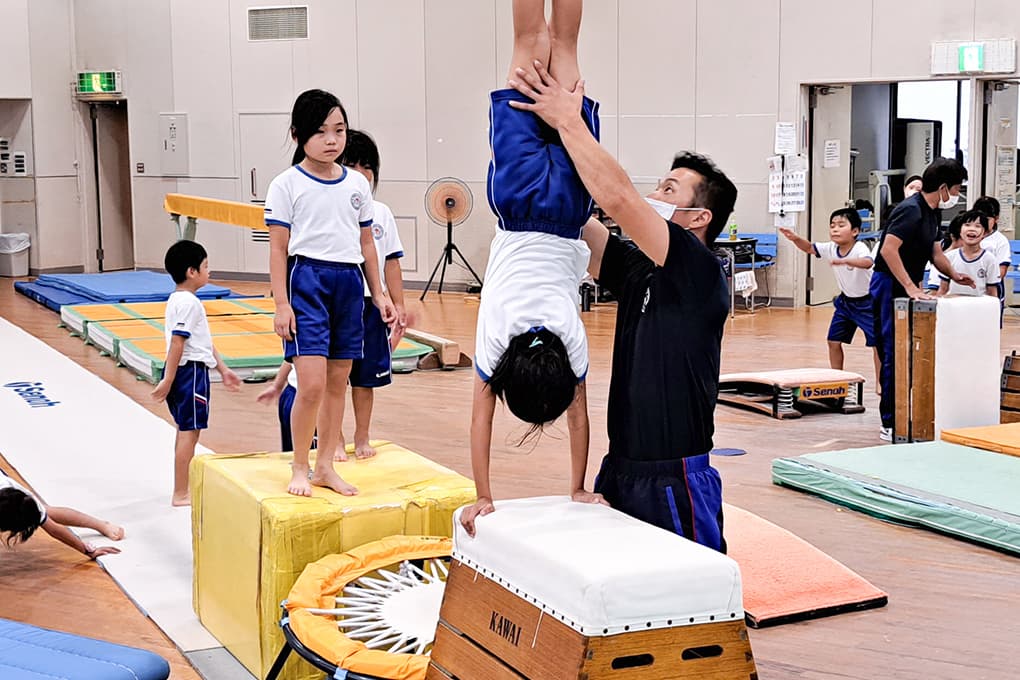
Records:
x=665, y=210
x=953, y=200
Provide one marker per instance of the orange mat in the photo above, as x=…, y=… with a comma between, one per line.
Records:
x=787, y=579
x=998, y=438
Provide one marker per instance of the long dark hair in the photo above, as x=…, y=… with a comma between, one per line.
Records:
x=361, y=150
x=311, y=109
x=534, y=378
x=19, y=516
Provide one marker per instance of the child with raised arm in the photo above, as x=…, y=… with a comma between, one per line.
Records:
x=851, y=263
x=21, y=513
x=319, y=216
x=531, y=350
x=189, y=356
x=969, y=231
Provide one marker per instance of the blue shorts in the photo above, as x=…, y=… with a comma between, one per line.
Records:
x=683, y=495
x=532, y=183
x=283, y=408
x=189, y=396
x=327, y=299
x=851, y=314
x=373, y=369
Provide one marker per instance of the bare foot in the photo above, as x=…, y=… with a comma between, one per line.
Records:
x=340, y=454
x=114, y=532
x=363, y=450
x=176, y=501
x=299, y=485
x=331, y=480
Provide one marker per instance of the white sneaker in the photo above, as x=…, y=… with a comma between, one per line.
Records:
x=885, y=434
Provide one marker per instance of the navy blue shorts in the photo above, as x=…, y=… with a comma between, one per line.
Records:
x=327, y=299
x=532, y=183
x=283, y=408
x=189, y=396
x=851, y=314
x=373, y=369
x=683, y=495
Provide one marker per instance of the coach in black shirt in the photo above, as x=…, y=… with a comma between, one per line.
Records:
x=673, y=304
x=909, y=242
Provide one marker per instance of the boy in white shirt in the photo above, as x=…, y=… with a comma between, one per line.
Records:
x=969, y=232
x=851, y=262
x=189, y=356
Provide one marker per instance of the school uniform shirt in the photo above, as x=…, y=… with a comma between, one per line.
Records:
x=915, y=223
x=325, y=217
x=185, y=316
x=387, y=241
x=998, y=245
x=531, y=281
x=666, y=350
x=983, y=269
x=7, y=482
x=854, y=282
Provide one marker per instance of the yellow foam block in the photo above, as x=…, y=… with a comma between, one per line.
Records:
x=252, y=539
x=998, y=438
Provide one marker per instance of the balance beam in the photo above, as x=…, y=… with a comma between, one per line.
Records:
x=195, y=208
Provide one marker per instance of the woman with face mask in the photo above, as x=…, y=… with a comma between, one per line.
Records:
x=910, y=241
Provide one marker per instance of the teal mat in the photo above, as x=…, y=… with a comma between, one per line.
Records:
x=955, y=489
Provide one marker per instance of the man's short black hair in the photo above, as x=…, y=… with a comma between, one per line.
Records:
x=181, y=257
x=948, y=171
x=988, y=205
x=715, y=191
x=851, y=215
x=956, y=226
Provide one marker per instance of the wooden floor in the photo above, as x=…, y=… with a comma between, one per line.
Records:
x=953, y=606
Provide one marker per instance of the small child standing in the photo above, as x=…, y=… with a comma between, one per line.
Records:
x=969, y=231
x=851, y=263
x=189, y=356
x=998, y=244
x=21, y=513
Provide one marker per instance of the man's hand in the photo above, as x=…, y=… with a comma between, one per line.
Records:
x=916, y=293
x=283, y=321
x=553, y=104
x=963, y=280
x=482, y=507
x=582, y=496
x=230, y=379
x=162, y=389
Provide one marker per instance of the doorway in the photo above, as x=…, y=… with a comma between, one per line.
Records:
x=110, y=181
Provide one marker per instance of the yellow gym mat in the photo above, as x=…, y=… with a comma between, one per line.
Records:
x=998, y=438
x=252, y=539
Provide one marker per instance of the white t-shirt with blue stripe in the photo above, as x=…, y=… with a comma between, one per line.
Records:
x=325, y=217
x=387, y=240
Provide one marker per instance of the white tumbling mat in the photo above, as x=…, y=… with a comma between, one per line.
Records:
x=968, y=365
x=79, y=442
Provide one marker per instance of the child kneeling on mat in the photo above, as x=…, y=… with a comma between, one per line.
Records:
x=852, y=264
x=189, y=356
x=21, y=513
x=531, y=350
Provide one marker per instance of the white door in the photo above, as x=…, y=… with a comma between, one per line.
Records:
x=266, y=151
x=830, y=186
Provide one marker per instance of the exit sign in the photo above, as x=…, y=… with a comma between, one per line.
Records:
x=98, y=84
x=971, y=57
x=976, y=56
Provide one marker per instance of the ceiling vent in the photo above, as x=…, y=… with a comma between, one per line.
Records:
x=278, y=23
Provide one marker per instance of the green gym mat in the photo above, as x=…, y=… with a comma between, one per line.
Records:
x=405, y=356
x=957, y=490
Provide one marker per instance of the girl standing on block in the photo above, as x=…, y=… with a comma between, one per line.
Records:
x=531, y=350
x=319, y=216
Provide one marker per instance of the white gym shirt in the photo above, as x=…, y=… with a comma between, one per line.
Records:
x=853, y=281
x=185, y=315
x=387, y=240
x=531, y=281
x=984, y=269
x=325, y=217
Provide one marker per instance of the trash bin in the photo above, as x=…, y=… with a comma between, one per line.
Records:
x=14, y=254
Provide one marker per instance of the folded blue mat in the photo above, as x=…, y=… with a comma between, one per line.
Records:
x=133, y=286
x=49, y=296
x=31, y=653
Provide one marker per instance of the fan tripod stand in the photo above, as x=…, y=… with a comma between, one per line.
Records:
x=448, y=201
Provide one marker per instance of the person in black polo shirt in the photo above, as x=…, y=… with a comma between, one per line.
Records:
x=673, y=304
x=909, y=242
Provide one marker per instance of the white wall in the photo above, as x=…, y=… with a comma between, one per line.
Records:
x=711, y=75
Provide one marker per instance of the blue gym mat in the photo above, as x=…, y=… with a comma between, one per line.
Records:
x=134, y=286
x=49, y=297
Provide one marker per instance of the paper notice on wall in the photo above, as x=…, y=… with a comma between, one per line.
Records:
x=786, y=139
x=831, y=158
x=1005, y=187
x=785, y=221
x=787, y=187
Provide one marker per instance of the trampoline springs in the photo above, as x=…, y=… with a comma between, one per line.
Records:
x=853, y=393
x=784, y=400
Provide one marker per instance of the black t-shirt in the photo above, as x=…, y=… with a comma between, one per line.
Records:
x=669, y=327
x=917, y=224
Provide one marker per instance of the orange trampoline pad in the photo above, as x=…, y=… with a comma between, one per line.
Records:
x=787, y=579
x=998, y=438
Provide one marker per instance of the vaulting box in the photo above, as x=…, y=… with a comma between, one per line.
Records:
x=550, y=589
x=252, y=539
